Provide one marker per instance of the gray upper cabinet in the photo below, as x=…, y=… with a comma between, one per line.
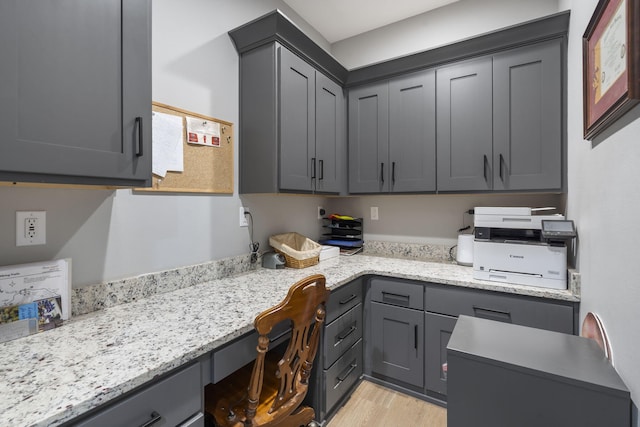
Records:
x=330, y=136
x=500, y=121
x=464, y=135
x=527, y=118
x=297, y=122
x=292, y=124
x=392, y=135
x=369, y=138
x=412, y=132
x=75, y=99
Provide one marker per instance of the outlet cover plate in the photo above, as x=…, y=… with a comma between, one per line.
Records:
x=242, y=220
x=31, y=228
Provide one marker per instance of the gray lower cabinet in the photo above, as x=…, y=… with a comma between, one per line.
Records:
x=292, y=125
x=443, y=305
x=75, y=99
x=396, y=343
x=392, y=135
x=175, y=400
x=339, y=362
x=500, y=121
x=438, y=329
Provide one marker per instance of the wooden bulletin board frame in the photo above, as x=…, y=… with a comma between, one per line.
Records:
x=206, y=169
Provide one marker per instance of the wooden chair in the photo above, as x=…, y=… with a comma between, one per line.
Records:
x=270, y=393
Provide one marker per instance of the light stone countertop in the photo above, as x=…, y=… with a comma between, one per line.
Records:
x=54, y=376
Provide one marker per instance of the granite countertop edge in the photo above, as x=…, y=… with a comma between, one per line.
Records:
x=55, y=376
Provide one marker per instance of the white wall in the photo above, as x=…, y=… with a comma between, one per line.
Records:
x=117, y=234
x=454, y=22
x=604, y=200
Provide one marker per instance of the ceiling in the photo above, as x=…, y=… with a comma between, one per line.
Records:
x=340, y=19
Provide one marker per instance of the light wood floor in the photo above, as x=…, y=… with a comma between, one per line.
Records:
x=373, y=405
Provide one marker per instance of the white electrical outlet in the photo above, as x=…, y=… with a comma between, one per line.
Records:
x=243, y=218
x=31, y=228
x=374, y=213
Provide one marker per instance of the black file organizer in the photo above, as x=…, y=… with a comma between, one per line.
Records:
x=344, y=233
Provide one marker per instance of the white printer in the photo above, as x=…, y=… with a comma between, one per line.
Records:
x=516, y=245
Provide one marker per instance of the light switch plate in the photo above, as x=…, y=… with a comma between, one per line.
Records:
x=31, y=228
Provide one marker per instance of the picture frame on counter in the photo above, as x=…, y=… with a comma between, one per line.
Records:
x=611, y=64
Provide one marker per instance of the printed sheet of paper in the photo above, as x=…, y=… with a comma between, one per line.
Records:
x=168, y=155
x=203, y=132
x=26, y=284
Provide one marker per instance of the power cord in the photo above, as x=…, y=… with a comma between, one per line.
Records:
x=253, y=246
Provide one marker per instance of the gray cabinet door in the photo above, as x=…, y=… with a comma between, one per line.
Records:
x=369, y=139
x=438, y=330
x=75, y=99
x=297, y=122
x=527, y=118
x=396, y=335
x=331, y=149
x=464, y=126
x=412, y=132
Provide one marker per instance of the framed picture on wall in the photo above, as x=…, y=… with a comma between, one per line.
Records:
x=611, y=64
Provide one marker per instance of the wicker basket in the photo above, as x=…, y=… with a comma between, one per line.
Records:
x=298, y=251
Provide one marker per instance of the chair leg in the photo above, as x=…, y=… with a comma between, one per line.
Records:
x=302, y=417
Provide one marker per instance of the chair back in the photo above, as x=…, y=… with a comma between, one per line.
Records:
x=305, y=306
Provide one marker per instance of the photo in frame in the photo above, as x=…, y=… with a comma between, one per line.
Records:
x=611, y=64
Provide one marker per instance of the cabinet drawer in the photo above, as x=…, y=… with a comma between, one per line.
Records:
x=496, y=306
x=242, y=351
x=397, y=292
x=175, y=399
x=344, y=299
x=341, y=334
x=342, y=375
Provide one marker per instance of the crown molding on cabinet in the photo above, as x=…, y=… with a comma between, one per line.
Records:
x=275, y=26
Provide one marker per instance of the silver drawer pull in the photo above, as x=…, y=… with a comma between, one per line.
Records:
x=395, y=298
x=155, y=417
x=491, y=314
x=345, y=334
x=345, y=375
x=349, y=298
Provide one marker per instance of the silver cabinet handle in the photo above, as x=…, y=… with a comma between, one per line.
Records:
x=345, y=375
x=155, y=417
x=345, y=334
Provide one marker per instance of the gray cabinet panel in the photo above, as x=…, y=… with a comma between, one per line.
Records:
x=412, y=132
x=258, y=150
x=537, y=313
x=76, y=90
x=369, y=139
x=330, y=139
x=297, y=122
x=396, y=337
x=344, y=299
x=175, y=399
x=527, y=117
x=464, y=126
x=339, y=379
x=397, y=292
x=292, y=125
x=341, y=334
x=438, y=330
x=507, y=375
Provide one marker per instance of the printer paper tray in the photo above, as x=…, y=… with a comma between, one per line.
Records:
x=520, y=279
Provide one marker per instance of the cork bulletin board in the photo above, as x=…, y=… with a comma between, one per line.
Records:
x=206, y=169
